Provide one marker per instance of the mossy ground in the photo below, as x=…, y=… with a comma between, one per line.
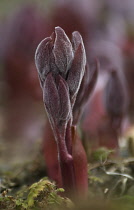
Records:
x=111, y=183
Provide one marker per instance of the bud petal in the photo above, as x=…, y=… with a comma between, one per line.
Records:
x=87, y=85
x=62, y=51
x=76, y=41
x=76, y=72
x=56, y=99
x=51, y=98
x=91, y=75
x=65, y=106
x=42, y=57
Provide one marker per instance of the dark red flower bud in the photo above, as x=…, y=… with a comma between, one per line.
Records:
x=115, y=99
x=56, y=54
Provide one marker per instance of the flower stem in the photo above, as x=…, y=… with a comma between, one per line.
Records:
x=68, y=138
x=66, y=165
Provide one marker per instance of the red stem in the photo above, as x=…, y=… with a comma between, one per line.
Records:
x=80, y=164
x=68, y=138
x=66, y=164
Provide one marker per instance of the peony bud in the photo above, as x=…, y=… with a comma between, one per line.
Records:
x=56, y=54
x=115, y=95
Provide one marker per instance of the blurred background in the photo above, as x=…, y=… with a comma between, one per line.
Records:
x=107, y=28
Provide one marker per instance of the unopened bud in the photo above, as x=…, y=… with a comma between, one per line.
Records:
x=115, y=95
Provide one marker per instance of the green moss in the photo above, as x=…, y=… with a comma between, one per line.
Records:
x=101, y=154
x=40, y=195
